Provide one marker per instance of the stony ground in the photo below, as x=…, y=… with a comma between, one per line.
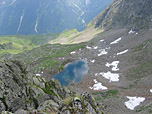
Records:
x=119, y=61
x=133, y=50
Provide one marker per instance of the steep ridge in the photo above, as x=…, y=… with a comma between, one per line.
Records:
x=39, y=16
x=125, y=13
x=119, y=14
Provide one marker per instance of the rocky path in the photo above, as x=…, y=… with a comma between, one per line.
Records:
x=109, y=56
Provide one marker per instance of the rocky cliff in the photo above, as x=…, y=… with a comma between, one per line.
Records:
x=23, y=93
x=125, y=13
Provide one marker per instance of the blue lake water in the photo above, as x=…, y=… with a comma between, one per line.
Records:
x=73, y=72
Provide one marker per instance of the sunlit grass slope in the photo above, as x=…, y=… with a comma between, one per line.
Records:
x=18, y=43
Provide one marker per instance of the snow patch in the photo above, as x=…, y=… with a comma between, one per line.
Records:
x=88, y=2
x=38, y=74
x=98, y=86
x=88, y=47
x=116, y=41
x=82, y=13
x=108, y=47
x=120, y=53
x=85, y=59
x=13, y=1
x=77, y=7
x=131, y=32
x=36, y=24
x=114, y=65
x=92, y=61
x=102, y=52
x=110, y=76
x=96, y=74
x=102, y=40
x=73, y=52
x=95, y=47
x=151, y=90
x=21, y=19
x=83, y=21
x=133, y=102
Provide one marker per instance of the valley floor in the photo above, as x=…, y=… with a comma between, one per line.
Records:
x=120, y=62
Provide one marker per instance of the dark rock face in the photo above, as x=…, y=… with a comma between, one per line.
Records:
x=39, y=16
x=125, y=13
x=15, y=90
x=22, y=93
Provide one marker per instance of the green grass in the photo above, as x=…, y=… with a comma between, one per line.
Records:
x=46, y=56
x=67, y=34
x=143, y=61
x=143, y=45
x=18, y=45
x=50, y=60
x=140, y=70
x=140, y=47
x=149, y=108
x=21, y=43
x=37, y=39
x=104, y=95
x=132, y=85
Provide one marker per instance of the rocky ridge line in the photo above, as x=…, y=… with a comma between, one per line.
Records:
x=23, y=93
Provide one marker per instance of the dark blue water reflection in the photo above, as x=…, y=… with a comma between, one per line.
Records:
x=73, y=72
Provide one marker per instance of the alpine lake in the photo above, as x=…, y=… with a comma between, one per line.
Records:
x=73, y=72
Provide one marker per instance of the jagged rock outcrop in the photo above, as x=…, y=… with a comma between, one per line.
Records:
x=16, y=91
x=23, y=93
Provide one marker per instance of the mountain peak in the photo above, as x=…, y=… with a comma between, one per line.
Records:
x=125, y=13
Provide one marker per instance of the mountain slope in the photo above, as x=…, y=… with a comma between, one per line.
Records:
x=14, y=44
x=125, y=13
x=119, y=14
x=39, y=16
